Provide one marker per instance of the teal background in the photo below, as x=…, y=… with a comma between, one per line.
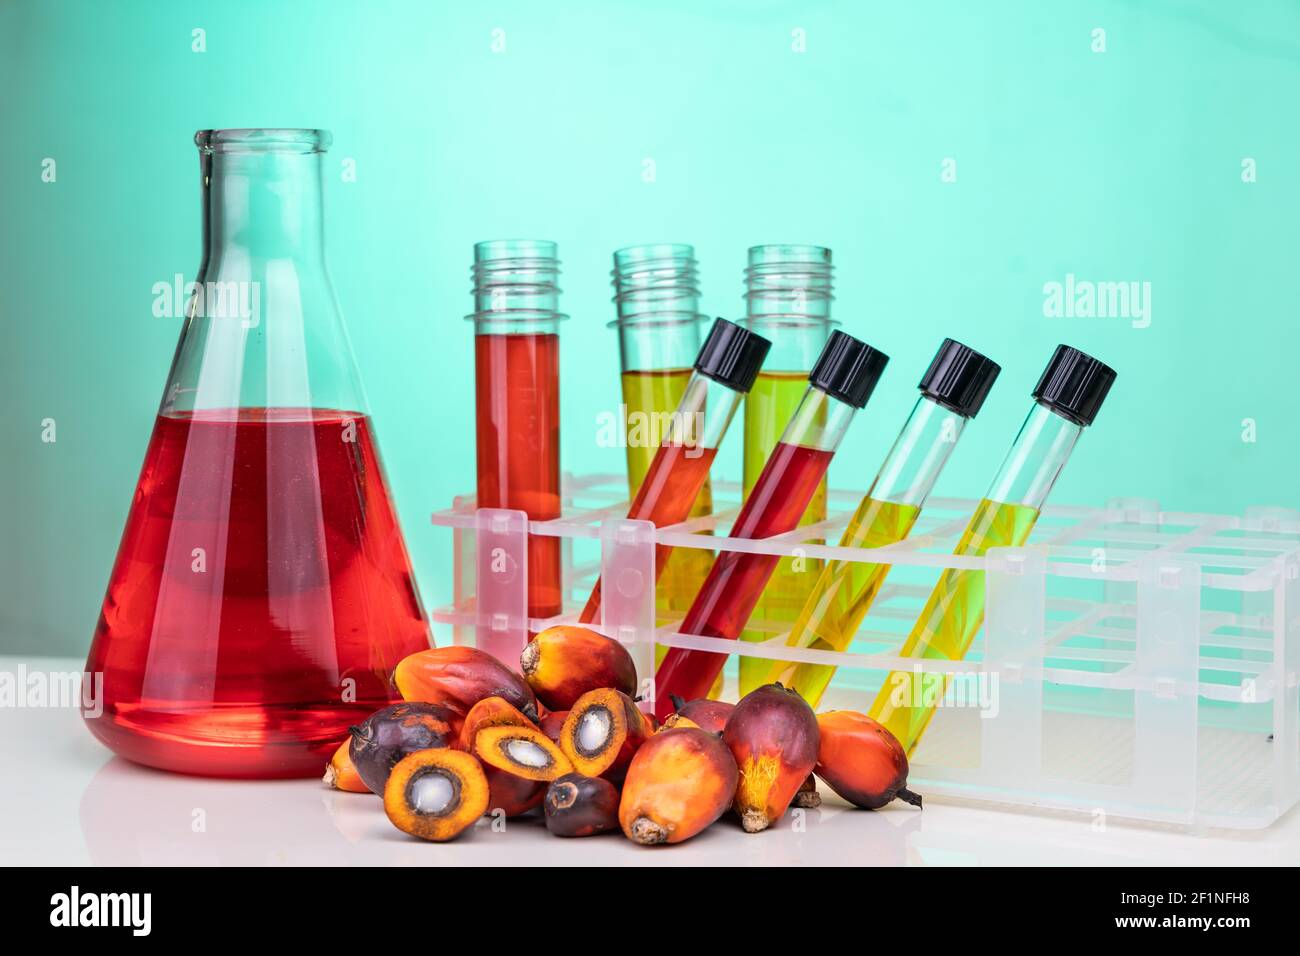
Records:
x=1122, y=165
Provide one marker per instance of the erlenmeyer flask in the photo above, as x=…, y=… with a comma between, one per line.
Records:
x=262, y=591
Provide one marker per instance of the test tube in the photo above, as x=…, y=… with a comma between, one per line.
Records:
x=788, y=295
x=723, y=373
x=1066, y=401
x=840, y=383
x=517, y=396
x=656, y=298
x=953, y=390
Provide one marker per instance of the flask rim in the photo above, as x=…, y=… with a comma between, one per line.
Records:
x=263, y=139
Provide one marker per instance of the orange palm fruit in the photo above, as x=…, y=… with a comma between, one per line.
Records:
x=490, y=712
x=512, y=795
x=679, y=782
x=710, y=715
x=458, y=677
x=862, y=761
x=436, y=794
x=341, y=774
x=677, y=720
x=773, y=735
x=565, y=661
x=602, y=732
x=523, y=751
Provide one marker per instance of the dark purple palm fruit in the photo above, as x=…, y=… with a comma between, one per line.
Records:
x=392, y=732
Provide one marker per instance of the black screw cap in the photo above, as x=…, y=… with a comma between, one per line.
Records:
x=732, y=355
x=1074, y=385
x=959, y=378
x=848, y=369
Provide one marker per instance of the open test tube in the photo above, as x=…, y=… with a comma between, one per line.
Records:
x=953, y=390
x=656, y=298
x=1066, y=400
x=517, y=396
x=840, y=383
x=723, y=373
x=788, y=296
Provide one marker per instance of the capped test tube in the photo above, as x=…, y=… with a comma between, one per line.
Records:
x=517, y=396
x=656, y=297
x=1066, y=401
x=723, y=372
x=840, y=383
x=953, y=390
x=788, y=296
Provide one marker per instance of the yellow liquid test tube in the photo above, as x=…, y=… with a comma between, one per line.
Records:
x=788, y=293
x=953, y=390
x=650, y=396
x=1067, y=399
x=656, y=296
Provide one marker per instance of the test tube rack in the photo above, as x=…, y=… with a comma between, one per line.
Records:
x=1134, y=664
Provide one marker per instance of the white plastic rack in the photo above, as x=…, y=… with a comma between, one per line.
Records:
x=1134, y=663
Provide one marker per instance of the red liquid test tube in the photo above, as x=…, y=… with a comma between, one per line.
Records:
x=839, y=384
x=517, y=396
x=725, y=368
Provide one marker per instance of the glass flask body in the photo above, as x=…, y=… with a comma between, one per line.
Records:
x=262, y=591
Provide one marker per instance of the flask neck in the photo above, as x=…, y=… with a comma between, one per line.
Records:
x=263, y=327
x=263, y=203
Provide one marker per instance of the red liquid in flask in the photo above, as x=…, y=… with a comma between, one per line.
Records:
x=261, y=596
x=735, y=584
x=666, y=497
x=517, y=384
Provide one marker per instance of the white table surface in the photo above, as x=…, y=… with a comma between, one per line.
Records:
x=68, y=801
